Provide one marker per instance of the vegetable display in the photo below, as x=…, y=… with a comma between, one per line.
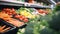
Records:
x=36, y=19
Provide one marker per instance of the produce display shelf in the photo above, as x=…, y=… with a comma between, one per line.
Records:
x=11, y=3
x=52, y=2
x=17, y=3
x=22, y=26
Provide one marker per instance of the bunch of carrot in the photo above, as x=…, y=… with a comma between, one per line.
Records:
x=4, y=29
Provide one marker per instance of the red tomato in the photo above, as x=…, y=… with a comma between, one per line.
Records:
x=7, y=12
x=8, y=9
x=14, y=13
x=25, y=20
x=13, y=9
x=22, y=17
x=17, y=16
x=10, y=13
x=41, y=11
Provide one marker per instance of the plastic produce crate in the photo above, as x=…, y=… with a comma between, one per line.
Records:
x=13, y=29
x=23, y=26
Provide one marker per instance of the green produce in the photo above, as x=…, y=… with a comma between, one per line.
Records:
x=55, y=22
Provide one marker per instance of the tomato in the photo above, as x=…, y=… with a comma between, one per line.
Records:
x=13, y=9
x=14, y=13
x=7, y=10
x=25, y=20
x=10, y=13
x=22, y=17
x=41, y=11
x=17, y=16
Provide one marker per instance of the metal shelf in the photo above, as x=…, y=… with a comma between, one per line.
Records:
x=11, y=3
x=17, y=3
x=52, y=2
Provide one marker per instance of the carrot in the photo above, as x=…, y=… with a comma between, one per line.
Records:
x=5, y=29
x=1, y=28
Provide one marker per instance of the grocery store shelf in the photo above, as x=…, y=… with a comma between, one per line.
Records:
x=57, y=1
x=52, y=2
x=11, y=3
x=17, y=3
x=38, y=6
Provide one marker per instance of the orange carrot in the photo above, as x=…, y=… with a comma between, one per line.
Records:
x=1, y=28
x=5, y=29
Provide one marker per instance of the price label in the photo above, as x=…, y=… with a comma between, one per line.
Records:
x=27, y=4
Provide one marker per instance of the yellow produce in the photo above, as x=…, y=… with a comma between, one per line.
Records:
x=27, y=14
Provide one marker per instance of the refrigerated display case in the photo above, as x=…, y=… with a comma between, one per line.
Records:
x=33, y=16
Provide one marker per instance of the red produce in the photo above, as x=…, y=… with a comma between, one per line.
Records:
x=25, y=20
x=17, y=16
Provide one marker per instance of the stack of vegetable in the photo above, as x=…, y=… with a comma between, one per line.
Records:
x=26, y=12
x=55, y=22
x=7, y=14
x=36, y=19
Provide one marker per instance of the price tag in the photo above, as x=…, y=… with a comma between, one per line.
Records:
x=26, y=4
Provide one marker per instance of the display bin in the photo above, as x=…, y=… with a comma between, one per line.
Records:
x=13, y=29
